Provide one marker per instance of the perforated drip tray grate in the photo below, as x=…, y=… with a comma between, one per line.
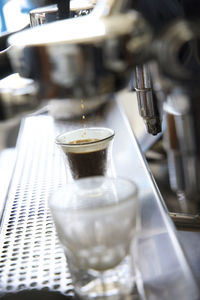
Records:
x=32, y=262
x=31, y=256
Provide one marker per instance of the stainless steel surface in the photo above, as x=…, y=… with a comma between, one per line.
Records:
x=8, y=137
x=183, y=150
x=87, y=56
x=17, y=97
x=30, y=253
x=7, y=163
x=158, y=163
x=43, y=15
x=95, y=55
x=147, y=102
x=187, y=224
x=17, y=93
x=190, y=241
x=66, y=108
x=31, y=257
x=49, y=13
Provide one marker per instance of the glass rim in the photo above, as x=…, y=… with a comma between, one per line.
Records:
x=82, y=210
x=68, y=144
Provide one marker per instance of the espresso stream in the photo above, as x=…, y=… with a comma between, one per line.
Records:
x=83, y=115
x=89, y=163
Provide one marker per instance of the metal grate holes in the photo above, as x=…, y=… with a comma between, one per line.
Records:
x=31, y=256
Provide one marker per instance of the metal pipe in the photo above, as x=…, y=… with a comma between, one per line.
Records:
x=183, y=150
x=147, y=101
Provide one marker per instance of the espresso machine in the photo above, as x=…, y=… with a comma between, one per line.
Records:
x=153, y=46
x=147, y=47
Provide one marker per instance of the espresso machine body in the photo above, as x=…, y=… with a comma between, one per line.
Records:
x=153, y=43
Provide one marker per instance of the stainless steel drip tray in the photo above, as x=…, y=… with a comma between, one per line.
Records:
x=35, y=295
x=31, y=257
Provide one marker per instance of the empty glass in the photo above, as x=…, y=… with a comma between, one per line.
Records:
x=96, y=220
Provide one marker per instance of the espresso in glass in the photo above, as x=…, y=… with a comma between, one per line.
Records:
x=87, y=151
x=87, y=164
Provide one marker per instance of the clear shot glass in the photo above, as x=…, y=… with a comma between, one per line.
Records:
x=87, y=152
x=96, y=220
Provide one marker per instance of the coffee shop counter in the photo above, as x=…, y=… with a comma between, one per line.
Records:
x=31, y=257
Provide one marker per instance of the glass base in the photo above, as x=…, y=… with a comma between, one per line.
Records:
x=117, y=283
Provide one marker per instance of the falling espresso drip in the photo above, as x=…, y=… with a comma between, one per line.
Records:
x=83, y=117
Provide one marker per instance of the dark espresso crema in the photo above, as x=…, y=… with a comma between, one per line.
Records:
x=87, y=164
